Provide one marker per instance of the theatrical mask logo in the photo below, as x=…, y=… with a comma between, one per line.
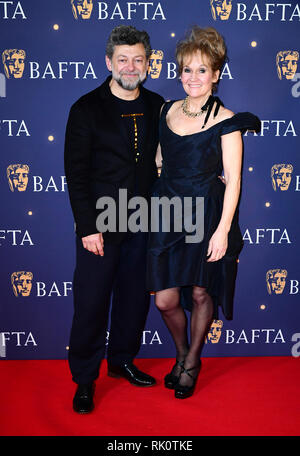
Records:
x=276, y=280
x=155, y=63
x=254, y=11
x=14, y=62
x=281, y=175
x=221, y=9
x=17, y=176
x=22, y=283
x=286, y=62
x=82, y=8
x=215, y=331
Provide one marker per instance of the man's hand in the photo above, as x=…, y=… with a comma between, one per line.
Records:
x=94, y=243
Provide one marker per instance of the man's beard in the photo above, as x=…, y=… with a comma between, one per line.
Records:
x=128, y=85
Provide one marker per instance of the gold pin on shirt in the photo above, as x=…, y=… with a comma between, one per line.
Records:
x=134, y=116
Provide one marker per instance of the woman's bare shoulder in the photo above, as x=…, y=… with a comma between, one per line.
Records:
x=176, y=104
x=224, y=114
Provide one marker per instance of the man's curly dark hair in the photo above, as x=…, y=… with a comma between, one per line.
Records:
x=126, y=34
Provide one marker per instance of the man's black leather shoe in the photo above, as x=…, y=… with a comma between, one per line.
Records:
x=131, y=373
x=83, y=399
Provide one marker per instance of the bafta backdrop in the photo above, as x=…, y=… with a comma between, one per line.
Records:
x=52, y=53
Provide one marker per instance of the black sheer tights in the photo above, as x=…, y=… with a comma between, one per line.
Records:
x=168, y=302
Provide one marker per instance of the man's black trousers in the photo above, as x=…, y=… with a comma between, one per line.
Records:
x=116, y=280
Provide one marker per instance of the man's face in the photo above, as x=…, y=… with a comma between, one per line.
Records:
x=19, y=179
x=223, y=8
x=15, y=65
x=128, y=65
x=23, y=285
x=84, y=8
x=288, y=66
x=283, y=178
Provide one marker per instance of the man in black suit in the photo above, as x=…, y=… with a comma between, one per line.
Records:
x=111, y=141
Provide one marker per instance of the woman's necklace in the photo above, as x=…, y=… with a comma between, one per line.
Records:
x=205, y=108
x=195, y=114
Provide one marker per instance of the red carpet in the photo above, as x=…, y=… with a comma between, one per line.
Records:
x=234, y=396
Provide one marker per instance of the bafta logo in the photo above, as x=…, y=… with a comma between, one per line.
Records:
x=22, y=283
x=221, y=9
x=17, y=176
x=286, y=63
x=215, y=331
x=82, y=8
x=155, y=63
x=276, y=279
x=13, y=62
x=281, y=175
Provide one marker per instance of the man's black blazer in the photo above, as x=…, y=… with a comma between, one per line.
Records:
x=98, y=157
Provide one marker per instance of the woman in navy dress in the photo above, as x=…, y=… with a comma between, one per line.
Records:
x=199, y=139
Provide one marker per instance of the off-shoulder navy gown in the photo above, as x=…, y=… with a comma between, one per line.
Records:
x=190, y=168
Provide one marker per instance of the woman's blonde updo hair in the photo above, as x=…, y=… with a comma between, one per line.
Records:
x=206, y=40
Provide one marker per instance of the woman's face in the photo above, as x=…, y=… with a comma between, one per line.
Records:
x=197, y=76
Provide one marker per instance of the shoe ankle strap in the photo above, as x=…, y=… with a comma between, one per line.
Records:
x=187, y=371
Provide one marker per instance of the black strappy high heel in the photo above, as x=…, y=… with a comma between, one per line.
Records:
x=184, y=391
x=171, y=379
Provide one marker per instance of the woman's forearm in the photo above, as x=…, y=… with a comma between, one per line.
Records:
x=231, y=197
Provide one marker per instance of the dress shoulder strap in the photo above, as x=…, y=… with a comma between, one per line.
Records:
x=165, y=108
